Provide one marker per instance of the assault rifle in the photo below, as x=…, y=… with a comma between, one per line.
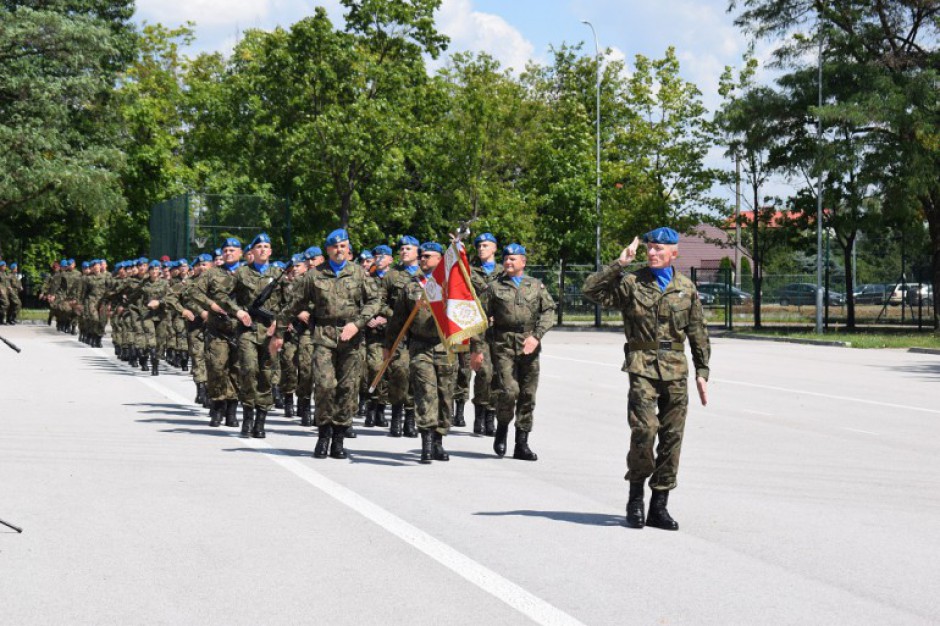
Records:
x=12, y=345
x=256, y=309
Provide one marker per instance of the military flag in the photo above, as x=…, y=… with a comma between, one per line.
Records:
x=454, y=303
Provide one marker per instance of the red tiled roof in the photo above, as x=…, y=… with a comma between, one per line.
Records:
x=705, y=247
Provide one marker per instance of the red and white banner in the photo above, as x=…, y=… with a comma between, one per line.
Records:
x=450, y=294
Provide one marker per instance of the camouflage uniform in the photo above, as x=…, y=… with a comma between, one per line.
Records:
x=398, y=372
x=375, y=356
x=221, y=357
x=484, y=387
x=656, y=324
x=15, y=288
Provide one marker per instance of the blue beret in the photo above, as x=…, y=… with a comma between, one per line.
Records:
x=382, y=249
x=119, y=265
x=337, y=236
x=313, y=252
x=661, y=235
x=205, y=257
x=366, y=254
x=484, y=237
x=3, y=263
x=514, y=248
x=142, y=261
x=432, y=246
x=260, y=238
x=280, y=264
x=408, y=240
x=231, y=242
x=71, y=261
x=13, y=266
x=85, y=265
x=298, y=258
x=154, y=263
x=171, y=264
x=217, y=252
x=182, y=262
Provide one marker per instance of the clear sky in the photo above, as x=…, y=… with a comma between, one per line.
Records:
x=513, y=31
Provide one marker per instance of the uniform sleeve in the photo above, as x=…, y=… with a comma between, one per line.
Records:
x=698, y=338
x=547, y=315
x=603, y=287
x=477, y=341
x=371, y=302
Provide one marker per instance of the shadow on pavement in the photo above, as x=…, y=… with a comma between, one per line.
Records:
x=388, y=459
x=927, y=371
x=573, y=517
x=273, y=451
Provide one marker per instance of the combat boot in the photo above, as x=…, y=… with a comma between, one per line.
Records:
x=437, y=445
x=142, y=359
x=303, y=409
x=258, y=431
x=337, y=451
x=171, y=357
x=379, y=415
x=427, y=447
x=278, y=397
x=324, y=434
x=154, y=363
x=635, y=518
x=499, y=443
x=231, y=413
x=458, y=413
x=288, y=405
x=522, y=451
x=132, y=360
x=216, y=413
x=658, y=516
x=370, y=414
x=478, y=411
x=184, y=362
x=199, y=393
x=349, y=432
x=363, y=405
x=410, y=430
x=489, y=422
x=248, y=418
x=395, y=429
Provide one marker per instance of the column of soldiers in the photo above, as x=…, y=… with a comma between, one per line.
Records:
x=10, y=289
x=317, y=331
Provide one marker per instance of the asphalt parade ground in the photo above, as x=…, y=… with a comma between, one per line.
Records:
x=809, y=492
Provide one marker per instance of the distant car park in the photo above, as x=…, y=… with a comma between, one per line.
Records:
x=921, y=294
x=706, y=298
x=805, y=293
x=720, y=293
x=872, y=293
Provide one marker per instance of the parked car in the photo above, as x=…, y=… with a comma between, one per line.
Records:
x=720, y=291
x=918, y=294
x=872, y=293
x=706, y=298
x=805, y=293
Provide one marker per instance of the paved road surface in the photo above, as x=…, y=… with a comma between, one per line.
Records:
x=809, y=493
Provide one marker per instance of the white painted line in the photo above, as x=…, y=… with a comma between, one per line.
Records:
x=753, y=412
x=501, y=588
x=905, y=407
x=864, y=432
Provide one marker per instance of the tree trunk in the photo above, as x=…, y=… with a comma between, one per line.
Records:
x=849, y=279
x=931, y=205
x=756, y=258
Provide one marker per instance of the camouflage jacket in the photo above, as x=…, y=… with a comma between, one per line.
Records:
x=480, y=279
x=145, y=291
x=423, y=328
x=655, y=322
x=516, y=312
x=217, y=287
x=334, y=300
x=249, y=283
x=94, y=289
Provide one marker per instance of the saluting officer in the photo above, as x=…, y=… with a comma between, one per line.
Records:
x=660, y=308
x=522, y=312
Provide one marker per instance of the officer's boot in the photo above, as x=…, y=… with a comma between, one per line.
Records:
x=658, y=516
x=379, y=415
x=458, y=413
x=288, y=405
x=438, y=451
x=303, y=409
x=231, y=413
x=337, y=451
x=171, y=357
x=410, y=430
x=198, y=399
x=363, y=405
x=258, y=431
x=324, y=433
x=350, y=433
x=478, y=411
x=120, y=352
x=489, y=422
x=427, y=447
x=635, y=517
x=184, y=362
x=205, y=395
x=395, y=429
x=370, y=414
x=499, y=443
x=216, y=413
x=248, y=418
x=142, y=356
x=132, y=359
x=522, y=450
x=278, y=397
x=154, y=363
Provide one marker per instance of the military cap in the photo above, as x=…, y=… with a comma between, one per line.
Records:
x=142, y=261
x=431, y=246
x=382, y=249
x=71, y=261
x=231, y=242
x=280, y=264
x=313, y=252
x=514, y=248
x=13, y=266
x=3, y=263
x=217, y=252
x=484, y=237
x=85, y=265
x=661, y=235
x=298, y=258
x=366, y=254
x=260, y=238
x=165, y=258
x=408, y=240
x=337, y=236
x=182, y=262
x=155, y=263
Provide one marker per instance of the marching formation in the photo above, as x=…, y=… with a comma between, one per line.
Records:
x=326, y=337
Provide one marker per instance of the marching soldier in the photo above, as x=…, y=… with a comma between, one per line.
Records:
x=660, y=309
x=522, y=312
x=484, y=269
x=314, y=258
x=288, y=355
x=375, y=339
x=342, y=300
x=15, y=286
x=399, y=371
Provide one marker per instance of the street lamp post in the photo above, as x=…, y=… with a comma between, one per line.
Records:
x=819, y=198
x=597, y=189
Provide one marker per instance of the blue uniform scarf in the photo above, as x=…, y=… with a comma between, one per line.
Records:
x=663, y=276
x=337, y=267
x=262, y=269
x=488, y=267
x=411, y=269
x=517, y=280
x=234, y=266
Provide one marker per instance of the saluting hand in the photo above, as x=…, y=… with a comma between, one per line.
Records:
x=629, y=253
x=702, y=385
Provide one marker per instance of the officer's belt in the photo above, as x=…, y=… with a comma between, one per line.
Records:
x=657, y=345
x=518, y=328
